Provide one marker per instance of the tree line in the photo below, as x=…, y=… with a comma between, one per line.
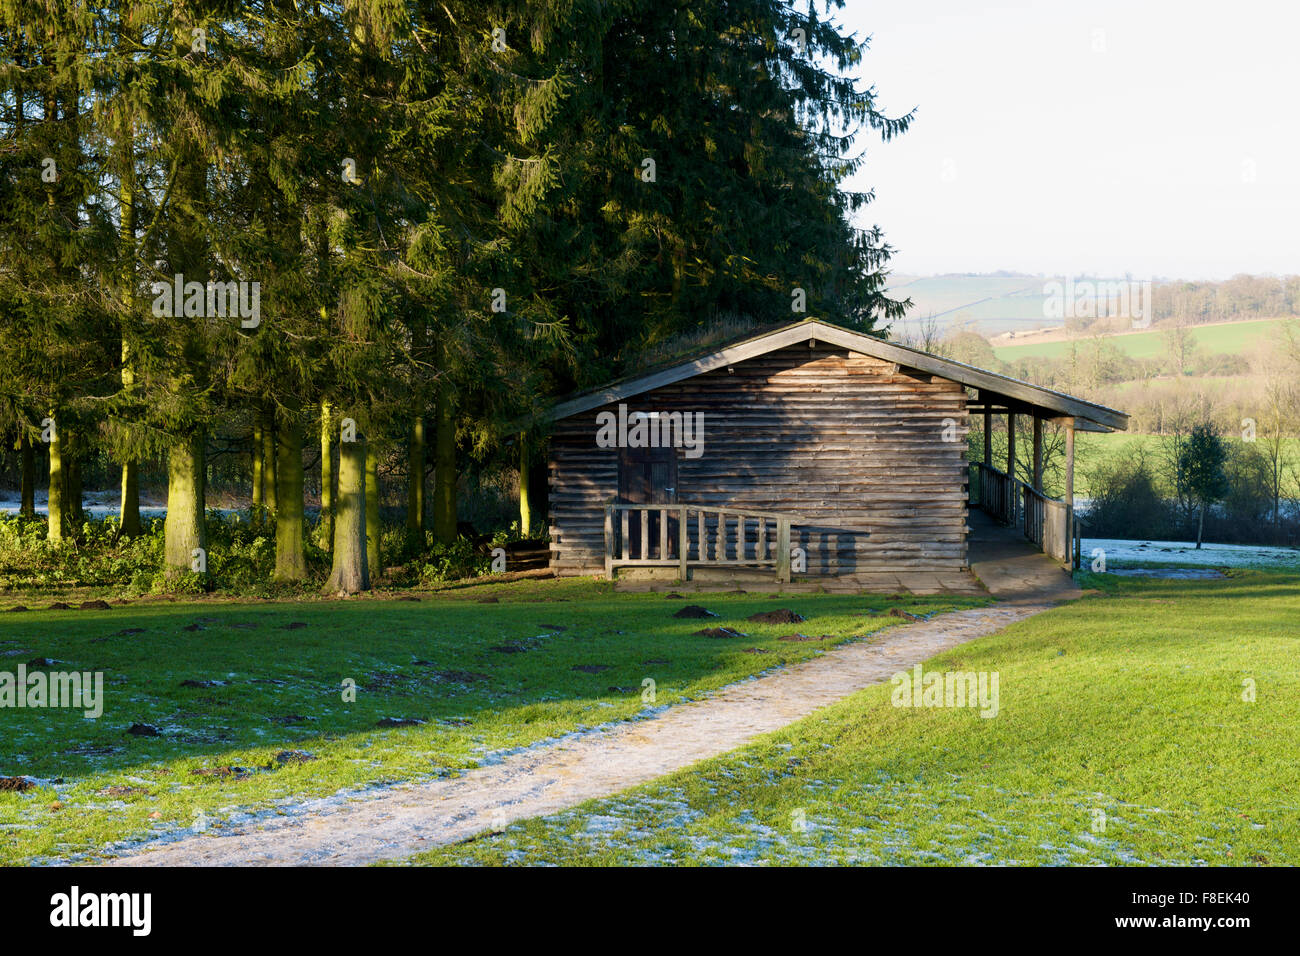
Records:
x=396, y=228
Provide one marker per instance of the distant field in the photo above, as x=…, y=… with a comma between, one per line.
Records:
x=1092, y=450
x=1228, y=338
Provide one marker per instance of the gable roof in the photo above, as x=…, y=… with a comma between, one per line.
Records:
x=994, y=389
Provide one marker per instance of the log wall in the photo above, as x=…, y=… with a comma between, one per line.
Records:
x=837, y=436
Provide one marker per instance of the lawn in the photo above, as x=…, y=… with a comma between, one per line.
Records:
x=250, y=710
x=1123, y=737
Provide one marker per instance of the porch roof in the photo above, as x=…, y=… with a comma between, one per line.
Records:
x=994, y=390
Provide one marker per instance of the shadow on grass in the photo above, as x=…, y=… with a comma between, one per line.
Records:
x=230, y=687
x=217, y=680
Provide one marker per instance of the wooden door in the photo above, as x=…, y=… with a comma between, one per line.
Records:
x=648, y=476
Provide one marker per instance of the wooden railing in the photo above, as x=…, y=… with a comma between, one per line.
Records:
x=1045, y=521
x=997, y=493
x=685, y=536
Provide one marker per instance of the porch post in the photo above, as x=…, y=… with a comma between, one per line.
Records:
x=1011, y=444
x=1013, y=504
x=1038, y=453
x=1069, y=492
x=988, y=436
x=783, y=550
x=683, y=543
x=609, y=542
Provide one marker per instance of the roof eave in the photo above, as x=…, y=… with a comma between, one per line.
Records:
x=1061, y=404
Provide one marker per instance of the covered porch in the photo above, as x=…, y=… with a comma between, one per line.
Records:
x=1004, y=495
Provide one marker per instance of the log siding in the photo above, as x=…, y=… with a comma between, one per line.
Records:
x=819, y=431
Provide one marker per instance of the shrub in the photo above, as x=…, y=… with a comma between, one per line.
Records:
x=1126, y=502
x=449, y=562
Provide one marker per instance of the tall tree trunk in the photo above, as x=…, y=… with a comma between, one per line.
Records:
x=444, y=476
x=373, y=529
x=130, y=509
x=539, y=491
x=1200, y=527
x=184, y=530
x=327, y=474
x=415, y=483
x=350, y=572
x=259, y=477
x=129, y=512
x=186, y=240
x=290, y=563
x=28, y=506
x=59, y=445
x=72, y=484
x=269, y=484
x=525, y=495
x=56, y=507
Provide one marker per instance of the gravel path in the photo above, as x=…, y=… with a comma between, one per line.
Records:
x=406, y=819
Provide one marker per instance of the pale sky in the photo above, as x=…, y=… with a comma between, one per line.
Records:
x=1159, y=138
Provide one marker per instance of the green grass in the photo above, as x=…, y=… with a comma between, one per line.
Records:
x=1094, y=450
x=1095, y=453
x=282, y=691
x=1128, y=703
x=1224, y=339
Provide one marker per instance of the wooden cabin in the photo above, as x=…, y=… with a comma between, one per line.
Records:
x=810, y=453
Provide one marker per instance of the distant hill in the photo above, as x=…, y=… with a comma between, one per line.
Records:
x=998, y=303
x=989, y=304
